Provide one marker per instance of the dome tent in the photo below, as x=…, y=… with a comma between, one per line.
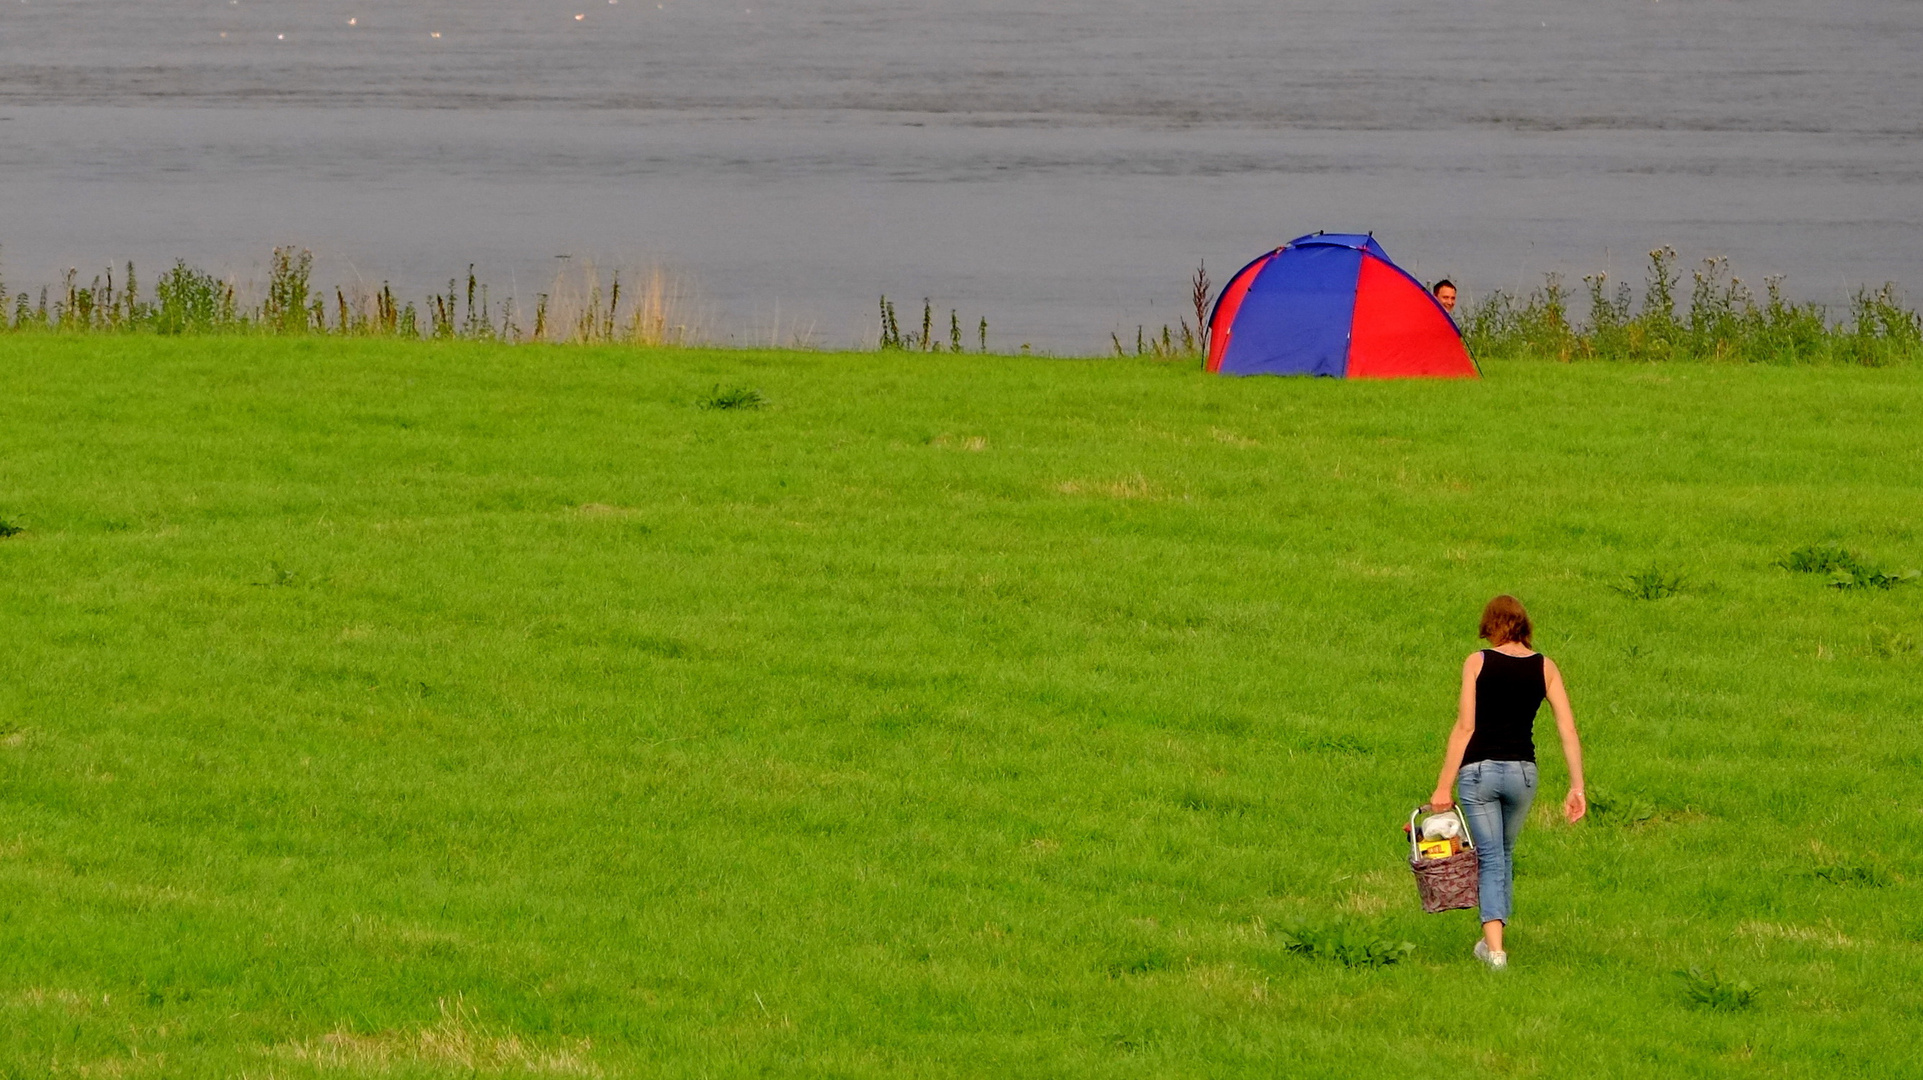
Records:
x=1333, y=304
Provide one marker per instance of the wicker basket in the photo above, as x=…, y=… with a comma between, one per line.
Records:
x=1445, y=884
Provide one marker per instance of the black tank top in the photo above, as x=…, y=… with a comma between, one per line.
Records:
x=1509, y=690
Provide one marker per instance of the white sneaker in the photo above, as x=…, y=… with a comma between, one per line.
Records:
x=1497, y=961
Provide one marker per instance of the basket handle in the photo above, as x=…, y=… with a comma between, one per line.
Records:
x=1415, y=835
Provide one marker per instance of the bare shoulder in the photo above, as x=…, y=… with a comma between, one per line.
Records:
x=1549, y=669
x=1473, y=665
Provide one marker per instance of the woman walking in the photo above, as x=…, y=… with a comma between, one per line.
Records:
x=1491, y=759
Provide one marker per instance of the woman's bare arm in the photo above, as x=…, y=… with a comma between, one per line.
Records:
x=1458, y=735
x=1577, y=803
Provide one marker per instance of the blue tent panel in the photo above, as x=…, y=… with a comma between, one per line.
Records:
x=1295, y=319
x=1358, y=241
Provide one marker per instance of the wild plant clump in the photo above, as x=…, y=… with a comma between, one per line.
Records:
x=1723, y=320
x=1651, y=583
x=1861, y=875
x=1347, y=944
x=1623, y=810
x=1846, y=569
x=1710, y=990
x=740, y=397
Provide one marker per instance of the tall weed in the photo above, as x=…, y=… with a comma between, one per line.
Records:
x=928, y=338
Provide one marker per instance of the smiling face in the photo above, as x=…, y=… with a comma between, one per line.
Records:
x=1446, y=296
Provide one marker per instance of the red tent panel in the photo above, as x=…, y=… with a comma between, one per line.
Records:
x=1225, y=309
x=1400, y=331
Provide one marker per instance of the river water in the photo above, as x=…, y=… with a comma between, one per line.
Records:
x=1057, y=168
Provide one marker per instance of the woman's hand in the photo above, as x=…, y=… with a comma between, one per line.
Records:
x=1575, y=805
x=1441, y=800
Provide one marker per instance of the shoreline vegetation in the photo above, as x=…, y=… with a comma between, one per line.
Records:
x=1722, y=319
x=578, y=308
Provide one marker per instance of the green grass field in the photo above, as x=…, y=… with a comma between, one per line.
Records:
x=449, y=710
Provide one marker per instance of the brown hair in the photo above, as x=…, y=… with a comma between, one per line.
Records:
x=1504, y=620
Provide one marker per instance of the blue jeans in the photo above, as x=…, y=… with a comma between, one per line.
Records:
x=1495, y=797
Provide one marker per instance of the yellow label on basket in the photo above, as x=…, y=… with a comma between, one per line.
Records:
x=1434, y=849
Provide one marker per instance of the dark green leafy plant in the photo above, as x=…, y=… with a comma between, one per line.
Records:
x=279, y=577
x=1142, y=962
x=1620, y=809
x=1709, y=990
x=738, y=398
x=1818, y=559
x=1846, y=569
x=1861, y=875
x=1347, y=944
x=1889, y=644
x=8, y=528
x=1651, y=583
x=1871, y=578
